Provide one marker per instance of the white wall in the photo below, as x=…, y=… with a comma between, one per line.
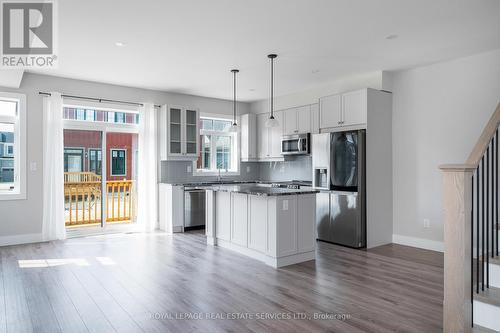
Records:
x=21, y=220
x=439, y=112
x=311, y=96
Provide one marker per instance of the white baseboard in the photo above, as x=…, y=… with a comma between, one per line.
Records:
x=20, y=239
x=422, y=243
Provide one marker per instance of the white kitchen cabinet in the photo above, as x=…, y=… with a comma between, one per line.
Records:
x=248, y=123
x=257, y=223
x=330, y=111
x=223, y=216
x=286, y=225
x=239, y=220
x=344, y=110
x=354, y=105
x=304, y=119
x=171, y=208
x=297, y=120
x=262, y=136
x=269, y=139
x=278, y=230
x=179, y=133
x=275, y=134
x=314, y=118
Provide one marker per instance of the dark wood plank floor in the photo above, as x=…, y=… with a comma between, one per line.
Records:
x=152, y=282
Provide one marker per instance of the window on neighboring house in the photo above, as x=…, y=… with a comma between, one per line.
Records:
x=95, y=115
x=95, y=161
x=118, y=162
x=218, y=147
x=12, y=146
x=119, y=117
x=80, y=114
x=73, y=160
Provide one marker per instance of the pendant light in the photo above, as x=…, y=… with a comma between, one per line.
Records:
x=234, y=126
x=271, y=122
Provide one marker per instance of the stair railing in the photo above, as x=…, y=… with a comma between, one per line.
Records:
x=470, y=227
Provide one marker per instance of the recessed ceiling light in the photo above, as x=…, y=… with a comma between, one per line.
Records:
x=119, y=44
x=314, y=71
x=252, y=89
x=392, y=36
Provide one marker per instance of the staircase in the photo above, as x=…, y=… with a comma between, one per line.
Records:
x=471, y=237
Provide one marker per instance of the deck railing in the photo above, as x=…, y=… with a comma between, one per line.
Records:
x=81, y=177
x=83, y=199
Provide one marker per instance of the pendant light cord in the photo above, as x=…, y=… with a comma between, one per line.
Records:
x=272, y=87
x=234, y=71
x=234, y=98
x=272, y=56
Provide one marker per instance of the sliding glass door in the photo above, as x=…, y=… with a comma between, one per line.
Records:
x=100, y=168
x=82, y=178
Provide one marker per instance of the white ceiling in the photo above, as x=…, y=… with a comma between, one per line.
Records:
x=190, y=46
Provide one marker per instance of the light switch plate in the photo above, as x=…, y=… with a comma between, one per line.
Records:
x=189, y=168
x=33, y=166
x=285, y=204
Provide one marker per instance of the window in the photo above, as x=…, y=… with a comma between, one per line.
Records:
x=9, y=150
x=12, y=146
x=218, y=147
x=73, y=160
x=118, y=162
x=95, y=161
x=95, y=115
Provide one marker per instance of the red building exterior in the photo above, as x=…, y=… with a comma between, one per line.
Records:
x=89, y=142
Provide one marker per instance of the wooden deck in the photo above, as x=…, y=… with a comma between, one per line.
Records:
x=151, y=282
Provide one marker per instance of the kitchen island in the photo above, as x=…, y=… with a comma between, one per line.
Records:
x=274, y=225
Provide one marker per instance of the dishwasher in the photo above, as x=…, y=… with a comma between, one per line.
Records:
x=194, y=208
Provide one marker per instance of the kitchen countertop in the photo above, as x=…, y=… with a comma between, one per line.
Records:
x=254, y=189
x=238, y=182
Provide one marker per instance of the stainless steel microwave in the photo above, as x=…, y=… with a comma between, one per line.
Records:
x=297, y=144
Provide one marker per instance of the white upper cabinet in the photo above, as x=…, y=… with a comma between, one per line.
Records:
x=269, y=139
x=355, y=107
x=343, y=110
x=248, y=125
x=275, y=136
x=330, y=111
x=262, y=136
x=314, y=119
x=290, y=122
x=179, y=139
x=304, y=119
x=297, y=120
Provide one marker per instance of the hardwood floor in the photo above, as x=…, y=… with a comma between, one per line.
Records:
x=134, y=282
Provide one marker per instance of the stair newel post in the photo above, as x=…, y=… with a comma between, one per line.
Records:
x=457, y=202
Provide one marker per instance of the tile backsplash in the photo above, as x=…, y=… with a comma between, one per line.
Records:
x=295, y=168
x=177, y=172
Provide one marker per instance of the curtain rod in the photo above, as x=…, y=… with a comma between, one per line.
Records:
x=100, y=100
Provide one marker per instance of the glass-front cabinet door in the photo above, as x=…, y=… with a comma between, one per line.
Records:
x=182, y=133
x=175, y=131
x=191, y=132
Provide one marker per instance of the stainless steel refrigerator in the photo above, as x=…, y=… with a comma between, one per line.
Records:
x=339, y=172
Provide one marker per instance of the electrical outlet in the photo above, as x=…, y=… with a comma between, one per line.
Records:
x=189, y=168
x=427, y=223
x=33, y=166
x=248, y=168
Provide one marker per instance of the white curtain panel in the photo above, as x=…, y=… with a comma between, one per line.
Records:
x=147, y=211
x=53, y=168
